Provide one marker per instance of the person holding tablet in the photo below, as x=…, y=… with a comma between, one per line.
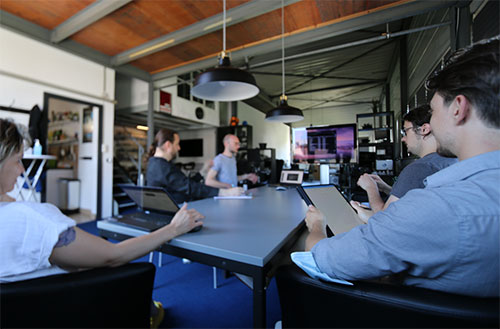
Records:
x=446, y=236
x=418, y=137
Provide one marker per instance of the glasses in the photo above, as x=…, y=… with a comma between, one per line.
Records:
x=404, y=131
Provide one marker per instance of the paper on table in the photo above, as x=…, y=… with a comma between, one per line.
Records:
x=244, y=196
x=305, y=261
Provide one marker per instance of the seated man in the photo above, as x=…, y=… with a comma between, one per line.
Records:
x=417, y=135
x=223, y=173
x=162, y=172
x=446, y=236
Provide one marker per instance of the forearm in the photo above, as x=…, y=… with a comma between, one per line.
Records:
x=313, y=238
x=376, y=202
x=89, y=251
x=216, y=183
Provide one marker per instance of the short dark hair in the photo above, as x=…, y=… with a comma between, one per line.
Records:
x=474, y=73
x=162, y=136
x=418, y=116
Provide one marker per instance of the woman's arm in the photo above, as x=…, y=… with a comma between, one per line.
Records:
x=88, y=251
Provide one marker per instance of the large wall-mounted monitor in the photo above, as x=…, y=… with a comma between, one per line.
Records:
x=191, y=147
x=336, y=143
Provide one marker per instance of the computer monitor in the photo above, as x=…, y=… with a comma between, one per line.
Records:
x=335, y=143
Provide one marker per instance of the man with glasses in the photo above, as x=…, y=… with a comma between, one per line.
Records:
x=418, y=137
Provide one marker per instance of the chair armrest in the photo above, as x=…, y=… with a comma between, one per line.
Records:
x=307, y=302
x=102, y=297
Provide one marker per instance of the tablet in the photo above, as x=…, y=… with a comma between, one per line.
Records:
x=339, y=214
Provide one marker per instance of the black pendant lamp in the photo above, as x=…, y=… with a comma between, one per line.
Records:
x=224, y=82
x=284, y=112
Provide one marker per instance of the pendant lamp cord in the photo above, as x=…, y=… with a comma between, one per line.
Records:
x=224, y=28
x=282, y=47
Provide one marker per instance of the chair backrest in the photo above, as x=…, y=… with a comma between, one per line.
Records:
x=102, y=297
x=310, y=303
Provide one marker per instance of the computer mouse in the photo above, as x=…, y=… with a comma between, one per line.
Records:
x=196, y=229
x=280, y=188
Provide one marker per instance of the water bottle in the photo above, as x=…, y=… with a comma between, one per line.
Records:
x=37, y=149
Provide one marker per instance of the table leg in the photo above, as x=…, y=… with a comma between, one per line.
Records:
x=259, y=301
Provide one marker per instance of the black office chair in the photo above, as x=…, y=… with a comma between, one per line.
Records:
x=118, y=297
x=310, y=303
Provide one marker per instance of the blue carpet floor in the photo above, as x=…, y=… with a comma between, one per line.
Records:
x=190, y=301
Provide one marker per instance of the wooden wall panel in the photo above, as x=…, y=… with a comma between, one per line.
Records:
x=46, y=13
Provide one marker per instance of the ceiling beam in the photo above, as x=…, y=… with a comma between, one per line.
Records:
x=371, y=18
x=211, y=24
x=350, y=85
x=36, y=32
x=84, y=18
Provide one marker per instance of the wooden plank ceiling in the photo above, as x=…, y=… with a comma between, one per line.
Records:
x=141, y=21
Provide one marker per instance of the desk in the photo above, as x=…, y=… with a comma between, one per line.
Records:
x=25, y=178
x=243, y=236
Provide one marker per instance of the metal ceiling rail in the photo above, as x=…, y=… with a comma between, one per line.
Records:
x=235, y=15
x=382, y=37
x=332, y=88
x=84, y=18
x=340, y=97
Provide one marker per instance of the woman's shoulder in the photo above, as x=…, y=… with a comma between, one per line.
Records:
x=22, y=210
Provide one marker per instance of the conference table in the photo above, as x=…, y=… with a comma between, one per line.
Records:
x=247, y=236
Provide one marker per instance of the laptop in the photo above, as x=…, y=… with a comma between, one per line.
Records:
x=157, y=208
x=289, y=178
x=339, y=214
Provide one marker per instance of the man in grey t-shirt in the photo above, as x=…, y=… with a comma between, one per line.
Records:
x=420, y=141
x=223, y=173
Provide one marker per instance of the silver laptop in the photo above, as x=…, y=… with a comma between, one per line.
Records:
x=339, y=214
x=156, y=208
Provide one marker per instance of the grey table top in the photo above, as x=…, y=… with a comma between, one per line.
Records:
x=250, y=231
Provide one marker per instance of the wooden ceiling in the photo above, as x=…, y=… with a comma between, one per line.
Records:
x=141, y=21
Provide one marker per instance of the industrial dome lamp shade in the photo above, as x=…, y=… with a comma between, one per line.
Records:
x=284, y=112
x=224, y=83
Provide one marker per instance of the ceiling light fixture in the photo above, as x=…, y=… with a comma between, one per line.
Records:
x=217, y=24
x=158, y=45
x=224, y=83
x=284, y=112
x=141, y=127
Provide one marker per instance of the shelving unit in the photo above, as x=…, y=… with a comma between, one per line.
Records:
x=375, y=138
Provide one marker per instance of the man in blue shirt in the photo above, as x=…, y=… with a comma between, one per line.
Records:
x=446, y=236
x=223, y=173
x=418, y=137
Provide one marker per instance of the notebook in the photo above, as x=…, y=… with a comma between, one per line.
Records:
x=156, y=208
x=339, y=214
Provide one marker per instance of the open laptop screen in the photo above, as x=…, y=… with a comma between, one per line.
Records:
x=340, y=216
x=150, y=198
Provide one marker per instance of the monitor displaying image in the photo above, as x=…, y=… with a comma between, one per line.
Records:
x=336, y=143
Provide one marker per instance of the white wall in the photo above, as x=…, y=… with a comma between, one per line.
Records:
x=331, y=116
x=275, y=135
x=209, y=136
x=29, y=68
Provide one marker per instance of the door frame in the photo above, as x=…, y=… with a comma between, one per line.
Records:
x=46, y=97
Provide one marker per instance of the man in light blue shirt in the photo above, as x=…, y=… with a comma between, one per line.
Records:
x=446, y=236
x=223, y=173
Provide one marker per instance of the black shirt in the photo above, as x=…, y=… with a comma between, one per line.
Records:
x=163, y=173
